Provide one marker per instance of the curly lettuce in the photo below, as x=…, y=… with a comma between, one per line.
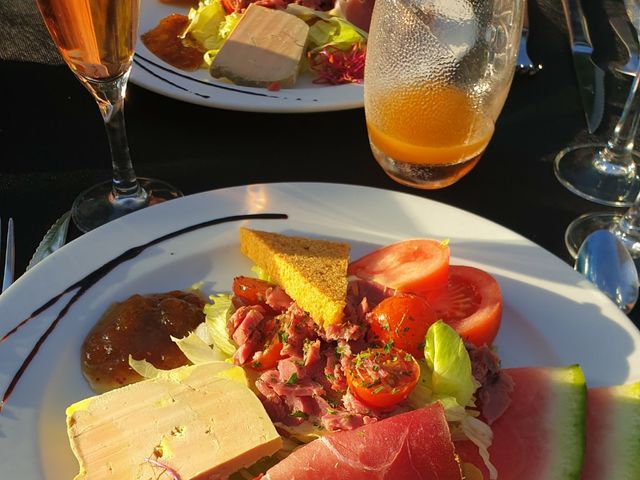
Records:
x=210, y=26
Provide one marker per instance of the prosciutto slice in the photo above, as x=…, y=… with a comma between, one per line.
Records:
x=411, y=446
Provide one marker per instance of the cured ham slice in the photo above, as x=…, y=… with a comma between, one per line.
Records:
x=411, y=446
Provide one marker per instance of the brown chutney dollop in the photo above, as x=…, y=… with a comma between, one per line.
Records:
x=141, y=326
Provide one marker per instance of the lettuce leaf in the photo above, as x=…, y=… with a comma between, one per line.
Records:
x=223, y=370
x=326, y=29
x=261, y=274
x=197, y=350
x=216, y=315
x=210, y=26
x=450, y=365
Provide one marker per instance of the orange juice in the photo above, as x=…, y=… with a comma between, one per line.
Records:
x=427, y=136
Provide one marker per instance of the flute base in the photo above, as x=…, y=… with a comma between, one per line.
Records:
x=586, y=173
x=99, y=204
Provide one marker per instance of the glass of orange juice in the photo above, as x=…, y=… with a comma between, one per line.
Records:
x=436, y=77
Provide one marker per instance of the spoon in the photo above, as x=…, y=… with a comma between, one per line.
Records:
x=606, y=263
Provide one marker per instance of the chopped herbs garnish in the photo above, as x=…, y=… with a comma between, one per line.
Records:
x=299, y=414
x=292, y=379
x=378, y=389
x=283, y=336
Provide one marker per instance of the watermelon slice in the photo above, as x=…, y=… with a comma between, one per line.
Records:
x=541, y=436
x=411, y=446
x=613, y=433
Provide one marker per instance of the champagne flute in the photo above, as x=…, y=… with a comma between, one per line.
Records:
x=437, y=74
x=607, y=173
x=96, y=38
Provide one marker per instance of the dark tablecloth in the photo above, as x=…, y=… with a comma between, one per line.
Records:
x=52, y=142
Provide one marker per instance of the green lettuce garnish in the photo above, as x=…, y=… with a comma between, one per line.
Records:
x=261, y=274
x=198, y=350
x=210, y=26
x=220, y=369
x=216, y=315
x=326, y=29
x=449, y=363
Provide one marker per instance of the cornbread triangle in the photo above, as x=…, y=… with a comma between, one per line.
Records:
x=313, y=272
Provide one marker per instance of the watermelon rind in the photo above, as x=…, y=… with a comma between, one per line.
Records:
x=622, y=444
x=568, y=421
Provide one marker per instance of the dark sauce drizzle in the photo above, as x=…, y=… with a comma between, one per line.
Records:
x=92, y=278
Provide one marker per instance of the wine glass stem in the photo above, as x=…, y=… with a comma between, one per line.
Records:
x=110, y=97
x=617, y=155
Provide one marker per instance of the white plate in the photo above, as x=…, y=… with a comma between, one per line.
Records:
x=200, y=88
x=552, y=316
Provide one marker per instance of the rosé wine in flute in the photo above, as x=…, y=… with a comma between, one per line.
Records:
x=97, y=38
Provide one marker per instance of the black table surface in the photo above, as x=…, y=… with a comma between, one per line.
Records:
x=53, y=145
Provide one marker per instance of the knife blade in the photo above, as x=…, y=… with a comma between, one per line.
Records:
x=590, y=76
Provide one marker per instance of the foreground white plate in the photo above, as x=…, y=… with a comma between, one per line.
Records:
x=200, y=88
x=552, y=316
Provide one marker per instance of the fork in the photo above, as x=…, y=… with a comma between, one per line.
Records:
x=9, y=257
x=524, y=64
x=624, y=31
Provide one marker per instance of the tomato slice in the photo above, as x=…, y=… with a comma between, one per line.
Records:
x=251, y=289
x=403, y=320
x=382, y=377
x=471, y=304
x=414, y=266
x=231, y=6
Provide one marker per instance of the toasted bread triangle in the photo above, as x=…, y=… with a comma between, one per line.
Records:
x=313, y=272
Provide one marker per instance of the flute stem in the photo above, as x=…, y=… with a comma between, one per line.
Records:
x=110, y=98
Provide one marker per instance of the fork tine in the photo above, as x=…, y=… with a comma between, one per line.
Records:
x=9, y=257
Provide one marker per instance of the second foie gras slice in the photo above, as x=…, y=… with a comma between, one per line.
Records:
x=264, y=49
x=313, y=272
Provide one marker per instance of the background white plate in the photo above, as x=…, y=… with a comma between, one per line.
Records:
x=200, y=88
x=552, y=316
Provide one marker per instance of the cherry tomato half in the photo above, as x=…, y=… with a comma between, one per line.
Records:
x=413, y=266
x=251, y=289
x=270, y=356
x=382, y=377
x=471, y=304
x=403, y=320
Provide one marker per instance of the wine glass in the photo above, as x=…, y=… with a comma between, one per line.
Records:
x=96, y=38
x=437, y=74
x=607, y=173
x=626, y=226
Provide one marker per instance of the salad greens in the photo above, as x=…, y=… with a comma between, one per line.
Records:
x=210, y=26
x=215, y=331
x=446, y=377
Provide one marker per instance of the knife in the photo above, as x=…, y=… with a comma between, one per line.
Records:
x=590, y=76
